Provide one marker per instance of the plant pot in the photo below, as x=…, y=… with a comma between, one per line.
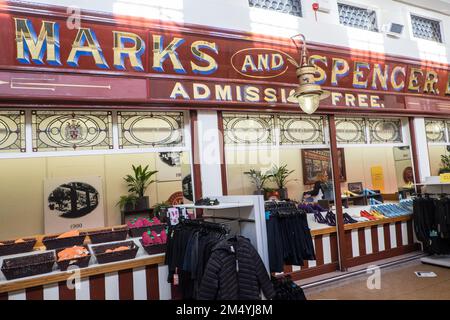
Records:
x=444, y=170
x=258, y=192
x=128, y=207
x=142, y=203
x=283, y=192
x=268, y=195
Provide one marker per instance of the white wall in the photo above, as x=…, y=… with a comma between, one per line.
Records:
x=236, y=14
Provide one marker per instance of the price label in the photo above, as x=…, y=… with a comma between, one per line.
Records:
x=444, y=178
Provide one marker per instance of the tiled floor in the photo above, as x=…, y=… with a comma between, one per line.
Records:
x=397, y=283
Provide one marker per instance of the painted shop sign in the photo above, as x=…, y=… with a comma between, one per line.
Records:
x=189, y=65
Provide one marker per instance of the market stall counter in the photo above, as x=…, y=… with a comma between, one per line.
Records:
x=115, y=270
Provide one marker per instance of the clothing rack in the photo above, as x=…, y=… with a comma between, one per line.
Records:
x=200, y=223
x=435, y=190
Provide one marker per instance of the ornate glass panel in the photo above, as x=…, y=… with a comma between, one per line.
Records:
x=71, y=130
x=292, y=7
x=301, y=130
x=356, y=17
x=155, y=129
x=12, y=131
x=385, y=131
x=435, y=130
x=248, y=129
x=426, y=28
x=351, y=130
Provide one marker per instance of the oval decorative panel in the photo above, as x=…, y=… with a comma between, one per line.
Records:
x=12, y=131
x=71, y=130
x=155, y=129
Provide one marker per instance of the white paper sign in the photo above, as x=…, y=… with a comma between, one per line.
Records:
x=425, y=274
x=73, y=203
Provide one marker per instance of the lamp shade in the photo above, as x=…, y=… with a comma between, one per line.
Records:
x=309, y=102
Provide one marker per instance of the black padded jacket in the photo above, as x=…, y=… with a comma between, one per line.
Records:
x=235, y=271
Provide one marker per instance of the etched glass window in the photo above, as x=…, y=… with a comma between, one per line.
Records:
x=150, y=129
x=426, y=28
x=12, y=131
x=435, y=130
x=71, y=130
x=351, y=130
x=292, y=7
x=301, y=130
x=385, y=131
x=357, y=17
x=248, y=129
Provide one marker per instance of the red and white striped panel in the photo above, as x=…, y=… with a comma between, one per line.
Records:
x=375, y=239
x=325, y=247
x=144, y=283
x=359, y=243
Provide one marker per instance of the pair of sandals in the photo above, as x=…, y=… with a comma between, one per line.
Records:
x=207, y=202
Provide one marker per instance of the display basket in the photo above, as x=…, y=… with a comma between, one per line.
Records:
x=108, y=235
x=155, y=248
x=81, y=262
x=9, y=247
x=107, y=257
x=52, y=242
x=137, y=232
x=27, y=266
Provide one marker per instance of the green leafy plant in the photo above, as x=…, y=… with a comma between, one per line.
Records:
x=130, y=199
x=157, y=207
x=257, y=178
x=140, y=181
x=279, y=175
x=445, y=164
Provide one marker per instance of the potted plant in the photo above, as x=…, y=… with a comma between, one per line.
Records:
x=445, y=164
x=127, y=203
x=138, y=184
x=258, y=179
x=279, y=175
x=271, y=193
x=159, y=210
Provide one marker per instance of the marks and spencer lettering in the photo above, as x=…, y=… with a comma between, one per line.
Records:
x=232, y=69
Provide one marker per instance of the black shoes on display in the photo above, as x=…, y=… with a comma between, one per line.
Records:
x=207, y=202
x=286, y=289
x=348, y=218
x=331, y=218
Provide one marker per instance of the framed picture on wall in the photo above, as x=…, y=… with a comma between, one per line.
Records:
x=316, y=161
x=356, y=187
x=73, y=203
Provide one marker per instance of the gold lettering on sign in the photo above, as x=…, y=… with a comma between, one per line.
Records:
x=92, y=47
x=28, y=44
x=414, y=79
x=160, y=54
x=321, y=76
x=431, y=80
x=133, y=52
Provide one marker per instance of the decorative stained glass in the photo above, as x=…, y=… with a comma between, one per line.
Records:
x=71, y=130
x=426, y=28
x=12, y=131
x=351, y=130
x=292, y=7
x=385, y=131
x=435, y=130
x=155, y=129
x=248, y=129
x=301, y=130
x=357, y=17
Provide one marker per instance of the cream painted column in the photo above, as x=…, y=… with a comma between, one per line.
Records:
x=422, y=148
x=209, y=153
